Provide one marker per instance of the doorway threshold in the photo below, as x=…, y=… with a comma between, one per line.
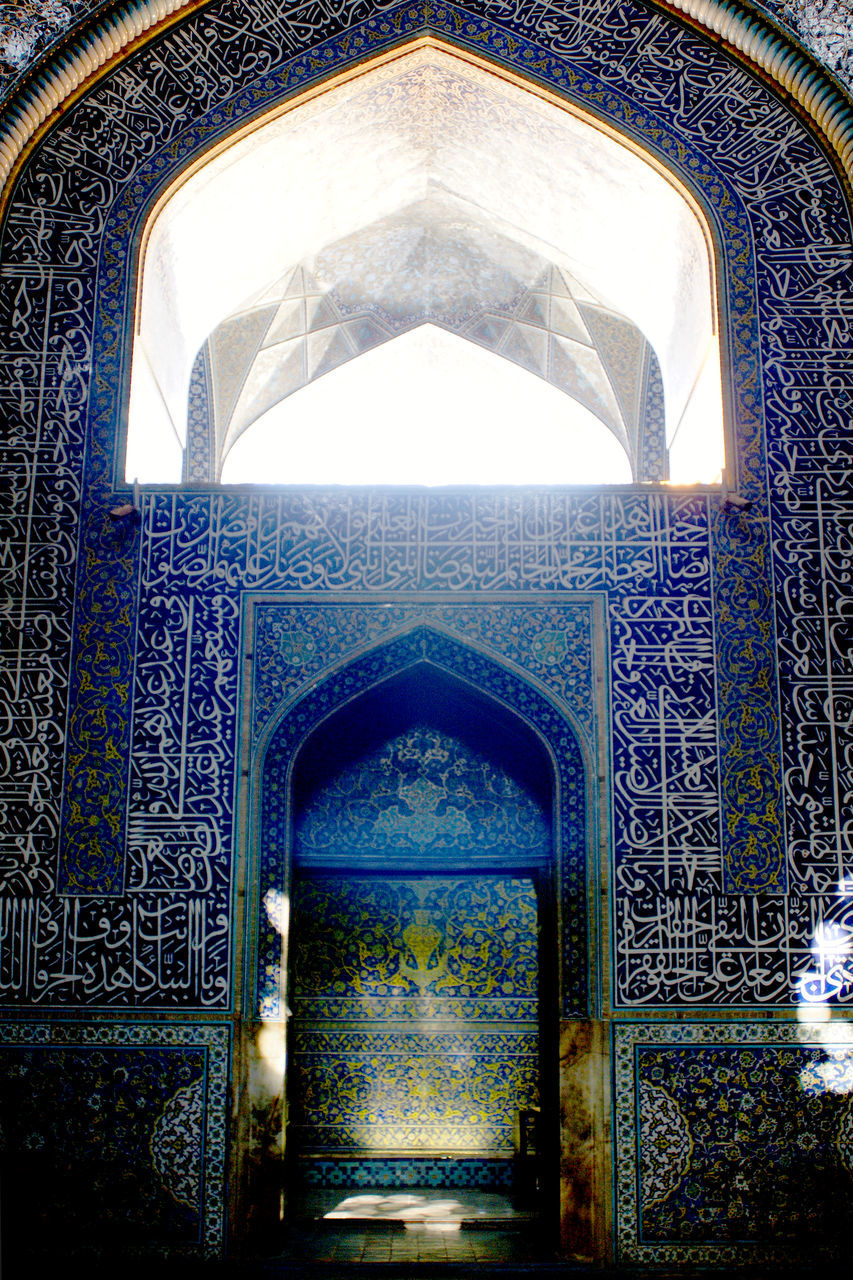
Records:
x=445, y=1207
x=411, y=1229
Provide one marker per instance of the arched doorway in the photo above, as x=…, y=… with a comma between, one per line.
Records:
x=423, y=817
x=421, y=956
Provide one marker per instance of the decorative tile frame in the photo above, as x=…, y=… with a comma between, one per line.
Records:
x=701, y=1108
x=310, y=657
x=188, y=1136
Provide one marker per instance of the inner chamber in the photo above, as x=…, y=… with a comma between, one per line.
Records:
x=422, y=849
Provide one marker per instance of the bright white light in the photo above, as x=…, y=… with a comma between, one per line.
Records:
x=696, y=454
x=812, y=1012
x=154, y=451
x=428, y=408
x=360, y=152
x=835, y=1075
x=834, y=971
x=416, y=1211
x=271, y=1047
x=831, y=941
x=277, y=907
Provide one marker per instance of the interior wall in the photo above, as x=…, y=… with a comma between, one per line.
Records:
x=415, y=1026
x=414, y=999
x=725, y=911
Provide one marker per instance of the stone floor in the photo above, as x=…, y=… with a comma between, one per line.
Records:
x=403, y=1227
x=397, y=1246
x=412, y=1234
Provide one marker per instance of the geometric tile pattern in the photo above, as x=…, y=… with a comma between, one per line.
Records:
x=299, y=330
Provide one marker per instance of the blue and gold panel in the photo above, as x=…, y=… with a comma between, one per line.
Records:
x=733, y=1140
x=414, y=1014
x=452, y=1093
x=398, y=1171
x=115, y=1132
x=422, y=796
x=464, y=948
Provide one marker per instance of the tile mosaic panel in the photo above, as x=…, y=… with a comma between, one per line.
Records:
x=740, y=790
x=425, y=1172
x=295, y=640
x=461, y=950
x=27, y=29
x=423, y=797
x=824, y=26
x=200, y=451
x=704, y=607
x=396, y=989
x=398, y=1091
x=117, y=1132
x=30, y=27
x=733, y=1141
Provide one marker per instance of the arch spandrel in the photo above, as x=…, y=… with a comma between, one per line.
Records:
x=89, y=50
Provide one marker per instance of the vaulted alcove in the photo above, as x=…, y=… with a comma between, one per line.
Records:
x=418, y=823
x=422, y=848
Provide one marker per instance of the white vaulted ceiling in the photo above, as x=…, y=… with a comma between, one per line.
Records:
x=427, y=189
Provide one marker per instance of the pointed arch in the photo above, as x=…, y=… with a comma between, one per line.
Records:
x=475, y=675
x=593, y=270
x=471, y=682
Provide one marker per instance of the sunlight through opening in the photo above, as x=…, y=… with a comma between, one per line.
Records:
x=589, y=276
x=428, y=409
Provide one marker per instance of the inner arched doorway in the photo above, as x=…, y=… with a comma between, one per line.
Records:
x=424, y=816
x=422, y=940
